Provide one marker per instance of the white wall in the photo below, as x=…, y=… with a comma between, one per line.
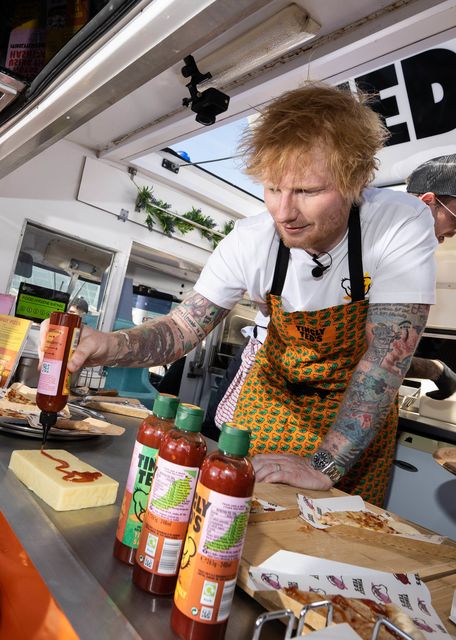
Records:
x=44, y=190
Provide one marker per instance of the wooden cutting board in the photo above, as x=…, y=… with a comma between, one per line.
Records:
x=120, y=406
x=442, y=590
x=265, y=538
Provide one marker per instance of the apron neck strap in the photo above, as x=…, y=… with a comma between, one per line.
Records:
x=355, y=261
x=280, y=271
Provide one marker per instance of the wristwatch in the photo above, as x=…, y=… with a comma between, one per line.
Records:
x=323, y=461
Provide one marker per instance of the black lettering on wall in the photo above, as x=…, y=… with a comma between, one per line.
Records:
x=436, y=66
x=373, y=83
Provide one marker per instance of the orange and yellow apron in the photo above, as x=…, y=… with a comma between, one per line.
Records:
x=293, y=392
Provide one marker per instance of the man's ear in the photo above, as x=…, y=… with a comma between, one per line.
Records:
x=428, y=198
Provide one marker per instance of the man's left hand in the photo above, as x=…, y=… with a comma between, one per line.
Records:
x=289, y=469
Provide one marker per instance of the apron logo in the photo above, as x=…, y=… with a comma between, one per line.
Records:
x=346, y=286
x=310, y=334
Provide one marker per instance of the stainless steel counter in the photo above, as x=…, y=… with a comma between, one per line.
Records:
x=73, y=550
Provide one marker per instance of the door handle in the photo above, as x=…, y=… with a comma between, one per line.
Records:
x=406, y=466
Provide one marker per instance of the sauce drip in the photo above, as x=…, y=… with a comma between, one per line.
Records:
x=72, y=476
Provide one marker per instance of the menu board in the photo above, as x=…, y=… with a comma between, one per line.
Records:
x=37, y=303
x=13, y=334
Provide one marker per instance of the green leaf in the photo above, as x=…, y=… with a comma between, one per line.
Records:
x=176, y=494
x=232, y=536
x=156, y=212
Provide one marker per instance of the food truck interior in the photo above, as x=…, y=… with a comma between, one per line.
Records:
x=119, y=169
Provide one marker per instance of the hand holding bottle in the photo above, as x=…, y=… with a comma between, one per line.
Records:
x=94, y=348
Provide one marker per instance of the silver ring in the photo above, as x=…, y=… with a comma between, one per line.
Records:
x=278, y=467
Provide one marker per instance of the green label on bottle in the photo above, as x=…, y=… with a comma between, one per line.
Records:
x=136, y=495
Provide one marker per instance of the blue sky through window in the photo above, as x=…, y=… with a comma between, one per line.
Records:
x=221, y=142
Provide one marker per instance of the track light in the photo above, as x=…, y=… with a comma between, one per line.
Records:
x=268, y=41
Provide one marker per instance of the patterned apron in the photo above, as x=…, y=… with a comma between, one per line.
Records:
x=293, y=392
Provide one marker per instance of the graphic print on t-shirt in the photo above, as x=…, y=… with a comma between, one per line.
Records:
x=346, y=286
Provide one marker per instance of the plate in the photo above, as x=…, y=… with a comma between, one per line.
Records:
x=20, y=427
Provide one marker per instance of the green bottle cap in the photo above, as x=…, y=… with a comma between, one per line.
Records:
x=165, y=405
x=189, y=417
x=234, y=439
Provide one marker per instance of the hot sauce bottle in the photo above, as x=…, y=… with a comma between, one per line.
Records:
x=180, y=456
x=54, y=381
x=148, y=439
x=215, y=538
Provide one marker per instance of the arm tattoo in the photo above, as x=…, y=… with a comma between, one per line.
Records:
x=166, y=339
x=393, y=332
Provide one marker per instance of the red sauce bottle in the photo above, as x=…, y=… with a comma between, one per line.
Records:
x=180, y=456
x=142, y=465
x=215, y=538
x=54, y=381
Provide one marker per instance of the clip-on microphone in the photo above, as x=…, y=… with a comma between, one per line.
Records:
x=319, y=270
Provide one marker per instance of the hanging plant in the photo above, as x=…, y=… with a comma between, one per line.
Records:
x=156, y=212
x=195, y=215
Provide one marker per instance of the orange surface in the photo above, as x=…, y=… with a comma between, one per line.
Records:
x=27, y=609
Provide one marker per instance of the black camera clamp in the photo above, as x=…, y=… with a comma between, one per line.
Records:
x=207, y=104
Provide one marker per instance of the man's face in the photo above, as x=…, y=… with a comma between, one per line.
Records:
x=444, y=221
x=308, y=210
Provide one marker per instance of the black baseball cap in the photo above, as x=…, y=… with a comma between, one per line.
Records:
x=437, y=175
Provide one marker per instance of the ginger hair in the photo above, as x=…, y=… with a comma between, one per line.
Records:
x=295, y=123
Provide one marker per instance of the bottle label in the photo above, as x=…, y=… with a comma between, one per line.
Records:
x=74, y=344
x=212, y=552
x=134, y=503
x=51, y=367
x=166, y=520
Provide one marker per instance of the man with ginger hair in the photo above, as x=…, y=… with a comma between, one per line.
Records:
x=346, y=274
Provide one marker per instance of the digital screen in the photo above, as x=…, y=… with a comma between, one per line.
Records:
x=37, y=303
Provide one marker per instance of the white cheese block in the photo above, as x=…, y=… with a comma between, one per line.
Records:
x=39, y=474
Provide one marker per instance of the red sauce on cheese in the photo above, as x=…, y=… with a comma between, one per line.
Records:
x=71, y=475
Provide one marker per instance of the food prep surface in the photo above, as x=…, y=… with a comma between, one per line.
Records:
x=73, y=550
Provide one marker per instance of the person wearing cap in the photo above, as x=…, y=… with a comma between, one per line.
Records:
x=321, y=397
x=434, y=182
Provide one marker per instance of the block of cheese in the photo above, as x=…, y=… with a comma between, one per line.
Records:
x=40, y=474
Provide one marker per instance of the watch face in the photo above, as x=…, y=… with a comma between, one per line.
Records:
x=321, y=459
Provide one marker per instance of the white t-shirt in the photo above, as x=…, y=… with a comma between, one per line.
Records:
x=398, y=244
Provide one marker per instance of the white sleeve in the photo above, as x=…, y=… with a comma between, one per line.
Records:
x=222, y=280
x=406, y=270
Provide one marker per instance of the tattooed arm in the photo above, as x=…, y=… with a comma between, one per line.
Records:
x=160, y=341
x=392, y=332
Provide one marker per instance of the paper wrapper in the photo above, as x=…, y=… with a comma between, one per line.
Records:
x=21, y=400
x=312, y=509
x=452, y=615
x=88, y=425
x=328, y=577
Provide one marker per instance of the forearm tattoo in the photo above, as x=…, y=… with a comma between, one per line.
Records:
x=393, y=332
x=166, y=339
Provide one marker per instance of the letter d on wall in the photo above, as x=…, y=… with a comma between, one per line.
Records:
x=433, y=108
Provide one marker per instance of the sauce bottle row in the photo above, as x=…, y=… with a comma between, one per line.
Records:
x=184, y=516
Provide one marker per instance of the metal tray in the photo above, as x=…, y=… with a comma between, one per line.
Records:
x=20, y=427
